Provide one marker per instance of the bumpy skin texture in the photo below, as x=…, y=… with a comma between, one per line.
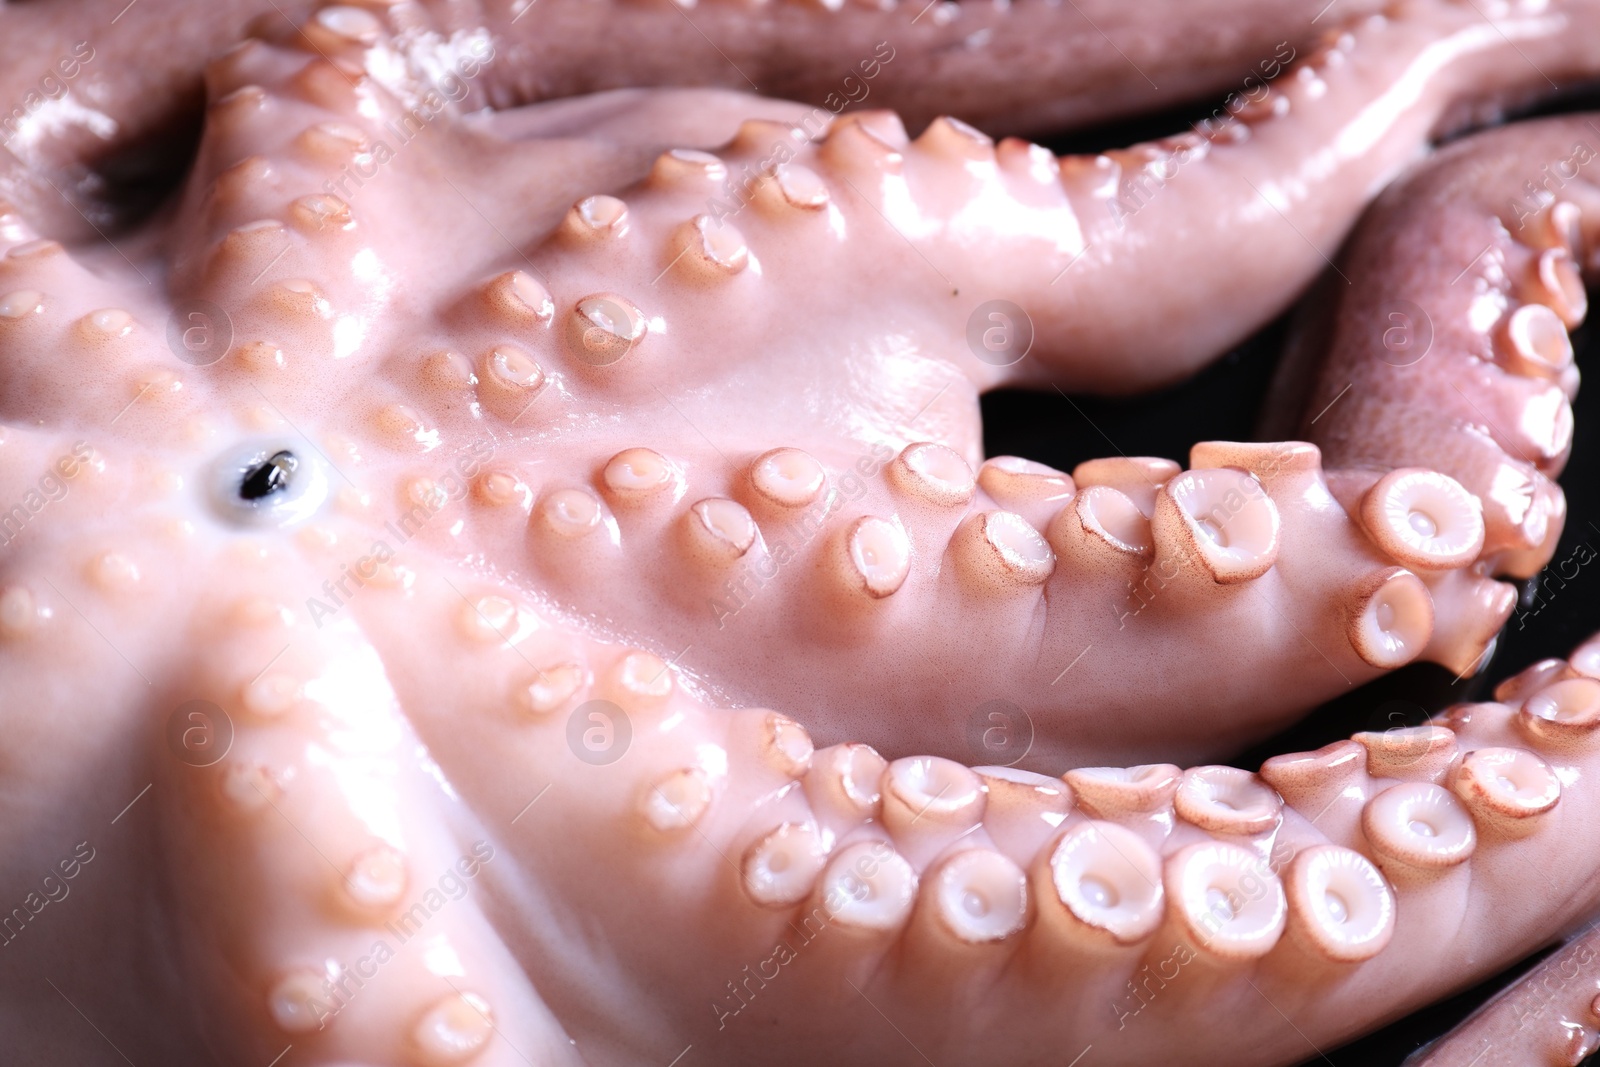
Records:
x=97, y=79
x=467, y=535
x=1088, y=62
x=1485, y=391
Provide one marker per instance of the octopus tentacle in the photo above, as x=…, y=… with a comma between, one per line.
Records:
x=1547, y=1016
x=425, y=454
x=331, y=901
x=585, y=320
x=1550, y=1014
x=717, y=265
x=1089, y=62
x=937, y=891
x=1068, y=240
x=1448, y=349
x=932, y=893
x=1269, y=181
x=100, y=84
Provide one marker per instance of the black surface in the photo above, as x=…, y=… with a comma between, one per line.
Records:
x=1223, y=403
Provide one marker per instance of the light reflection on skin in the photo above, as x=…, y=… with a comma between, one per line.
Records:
x=1363, y=132
x=363, y=737
x=52, y=120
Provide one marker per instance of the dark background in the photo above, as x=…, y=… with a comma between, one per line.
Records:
x=1223, y=403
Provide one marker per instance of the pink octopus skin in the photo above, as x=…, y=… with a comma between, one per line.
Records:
x=423, y=342
x=91, y=85
x=1090, y=61
x=1551, y=1015
x=1477, y=358
x=1087, y=62
x=95, y=83
x=905, y=383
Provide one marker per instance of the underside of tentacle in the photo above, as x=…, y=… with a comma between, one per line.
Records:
x=577, y=521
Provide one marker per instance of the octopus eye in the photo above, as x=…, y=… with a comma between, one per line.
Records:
x=267, y=484
x=270, y=477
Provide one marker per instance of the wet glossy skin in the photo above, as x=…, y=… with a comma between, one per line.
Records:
x=120, y=75
x=473, y=539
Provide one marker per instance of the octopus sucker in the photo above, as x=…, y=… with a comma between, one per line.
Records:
x=501, y=562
